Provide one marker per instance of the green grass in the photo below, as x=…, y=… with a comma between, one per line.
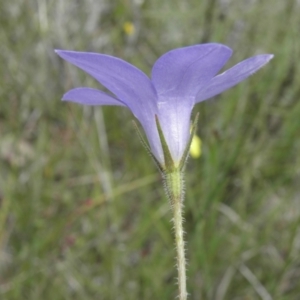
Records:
x=83, y=213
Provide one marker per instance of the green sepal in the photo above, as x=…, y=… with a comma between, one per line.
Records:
x=169, y=163
x=187, y=149
x=144, y=143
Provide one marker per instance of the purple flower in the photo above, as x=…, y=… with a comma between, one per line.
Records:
x=180, y=79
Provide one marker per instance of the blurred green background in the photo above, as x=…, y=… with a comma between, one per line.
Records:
x=83, y=212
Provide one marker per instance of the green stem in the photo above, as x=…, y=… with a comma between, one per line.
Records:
x=175, y=190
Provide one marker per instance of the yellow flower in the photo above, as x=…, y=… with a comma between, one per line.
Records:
x=195, y=149
x=128, y=28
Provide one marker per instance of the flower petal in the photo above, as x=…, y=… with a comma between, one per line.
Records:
x=124, y=80
x=89, y=96
x=129, y=84
x=233, y=76
x=183, y=71
x=174, y=117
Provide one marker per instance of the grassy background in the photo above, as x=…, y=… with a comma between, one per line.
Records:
x=83, y=214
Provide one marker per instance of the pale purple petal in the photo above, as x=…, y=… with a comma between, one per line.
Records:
x=233, y=76
x=183, y=71
x=127, y=82
x=174, y=117
x=89, y=96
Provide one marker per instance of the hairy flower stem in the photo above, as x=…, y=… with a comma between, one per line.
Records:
x=175, y=189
